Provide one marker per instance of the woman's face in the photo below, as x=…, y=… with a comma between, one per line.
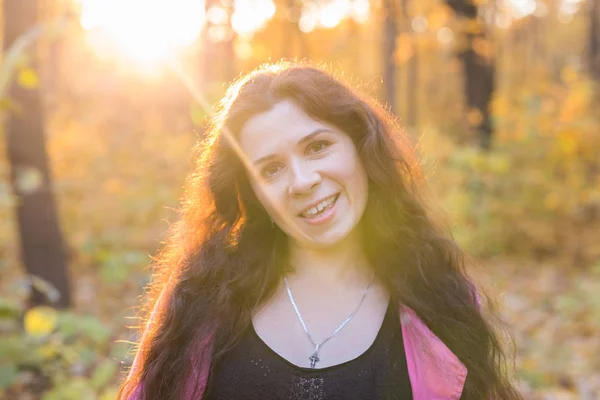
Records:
x=309, y=170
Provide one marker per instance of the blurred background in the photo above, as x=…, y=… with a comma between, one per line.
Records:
x=502, y=97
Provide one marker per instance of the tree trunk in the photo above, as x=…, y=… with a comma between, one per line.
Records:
x=479, y=73
x=412, y=70
x=390, y=31
x=228, y=50
x=479, y=88
x=41, y=240
x=594, y=40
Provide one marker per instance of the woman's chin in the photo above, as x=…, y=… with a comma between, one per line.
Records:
x=332, y=237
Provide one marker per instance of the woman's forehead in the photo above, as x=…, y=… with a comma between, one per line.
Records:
x=284, y=125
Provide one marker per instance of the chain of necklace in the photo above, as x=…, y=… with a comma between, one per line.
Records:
x=314, y=358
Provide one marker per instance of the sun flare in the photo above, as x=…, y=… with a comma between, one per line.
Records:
x=145, y=30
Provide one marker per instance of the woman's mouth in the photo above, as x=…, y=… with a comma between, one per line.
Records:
x=322, y=209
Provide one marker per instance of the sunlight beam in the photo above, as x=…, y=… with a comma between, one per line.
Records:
x=145, y=30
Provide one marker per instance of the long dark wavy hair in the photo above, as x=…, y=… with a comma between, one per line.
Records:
x=224, y=258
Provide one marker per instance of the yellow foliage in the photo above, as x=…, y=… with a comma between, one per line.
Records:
x=113, y=185
x=48, y=350
x=545, y=124
x=109, y=394
x=483, y=48
x=567, y=142
x=438, y=17
x=498, y=163
x=548, y=105
x=40, y=321
x=461, y=43
x=474, y=116
x=500, y=106
x=552, y=201
x=28, y=78
x=568, y=75
x=404, y=49
x=575, y=104
x=471, y=26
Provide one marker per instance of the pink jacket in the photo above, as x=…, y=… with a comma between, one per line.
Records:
x=435, y=372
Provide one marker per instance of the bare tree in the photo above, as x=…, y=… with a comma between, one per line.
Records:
x=390, y=31
x=479, y=70
x=594, y=39
x=42, y=245
x=412, y=71
x=218, y=55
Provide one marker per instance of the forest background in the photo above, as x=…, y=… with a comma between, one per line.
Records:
x=501, y=96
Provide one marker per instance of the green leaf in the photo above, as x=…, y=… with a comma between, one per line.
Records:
x=87, y=356
x=111, y=393
x=104, y=373
x=19, y=350
x=67, y=325
x=92, y=328
x=76, y=389
x=114, y=270
x=8, y=374
x=121, y=351
x=596, y=268
x=8, y=309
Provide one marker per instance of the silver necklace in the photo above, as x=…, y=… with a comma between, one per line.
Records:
x=314, y=358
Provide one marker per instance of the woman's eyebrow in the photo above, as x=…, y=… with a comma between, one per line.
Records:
x=302, y=140
x=313, y=134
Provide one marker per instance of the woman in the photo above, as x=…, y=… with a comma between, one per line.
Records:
x=306, y=264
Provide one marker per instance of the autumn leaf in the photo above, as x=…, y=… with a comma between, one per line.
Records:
x=500, y=106
x=28, y=78
x=568, y=75
x=110, y=393
x=483, y=48
x=40, y=321
x=551, y=201
x=438, y=17
x=404, y=49
x=474, y=116
x=471, y=26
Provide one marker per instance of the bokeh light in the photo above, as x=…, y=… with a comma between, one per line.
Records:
x=251, y=15
x=329, y=14
x=145, y=30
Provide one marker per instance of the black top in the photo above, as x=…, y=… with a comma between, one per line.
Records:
x=254, y=371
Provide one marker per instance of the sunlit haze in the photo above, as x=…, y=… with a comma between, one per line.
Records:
x=522, y=8
x=145, y=30
x=251, y=15
x=149, y=30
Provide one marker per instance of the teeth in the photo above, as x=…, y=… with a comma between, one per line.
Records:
x=319, y=207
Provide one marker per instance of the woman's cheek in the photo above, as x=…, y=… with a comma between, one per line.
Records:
x=271, y=197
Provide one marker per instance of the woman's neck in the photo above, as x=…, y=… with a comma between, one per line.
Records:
x=343, y=265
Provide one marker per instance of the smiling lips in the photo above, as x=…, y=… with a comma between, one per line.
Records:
x=317, y=210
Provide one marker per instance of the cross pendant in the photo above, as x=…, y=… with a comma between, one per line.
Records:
x=314, y=359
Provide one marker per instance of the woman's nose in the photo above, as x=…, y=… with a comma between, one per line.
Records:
x=302, y=179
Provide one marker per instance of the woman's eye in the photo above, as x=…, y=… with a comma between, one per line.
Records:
x=270, y=170
x=318, y=147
